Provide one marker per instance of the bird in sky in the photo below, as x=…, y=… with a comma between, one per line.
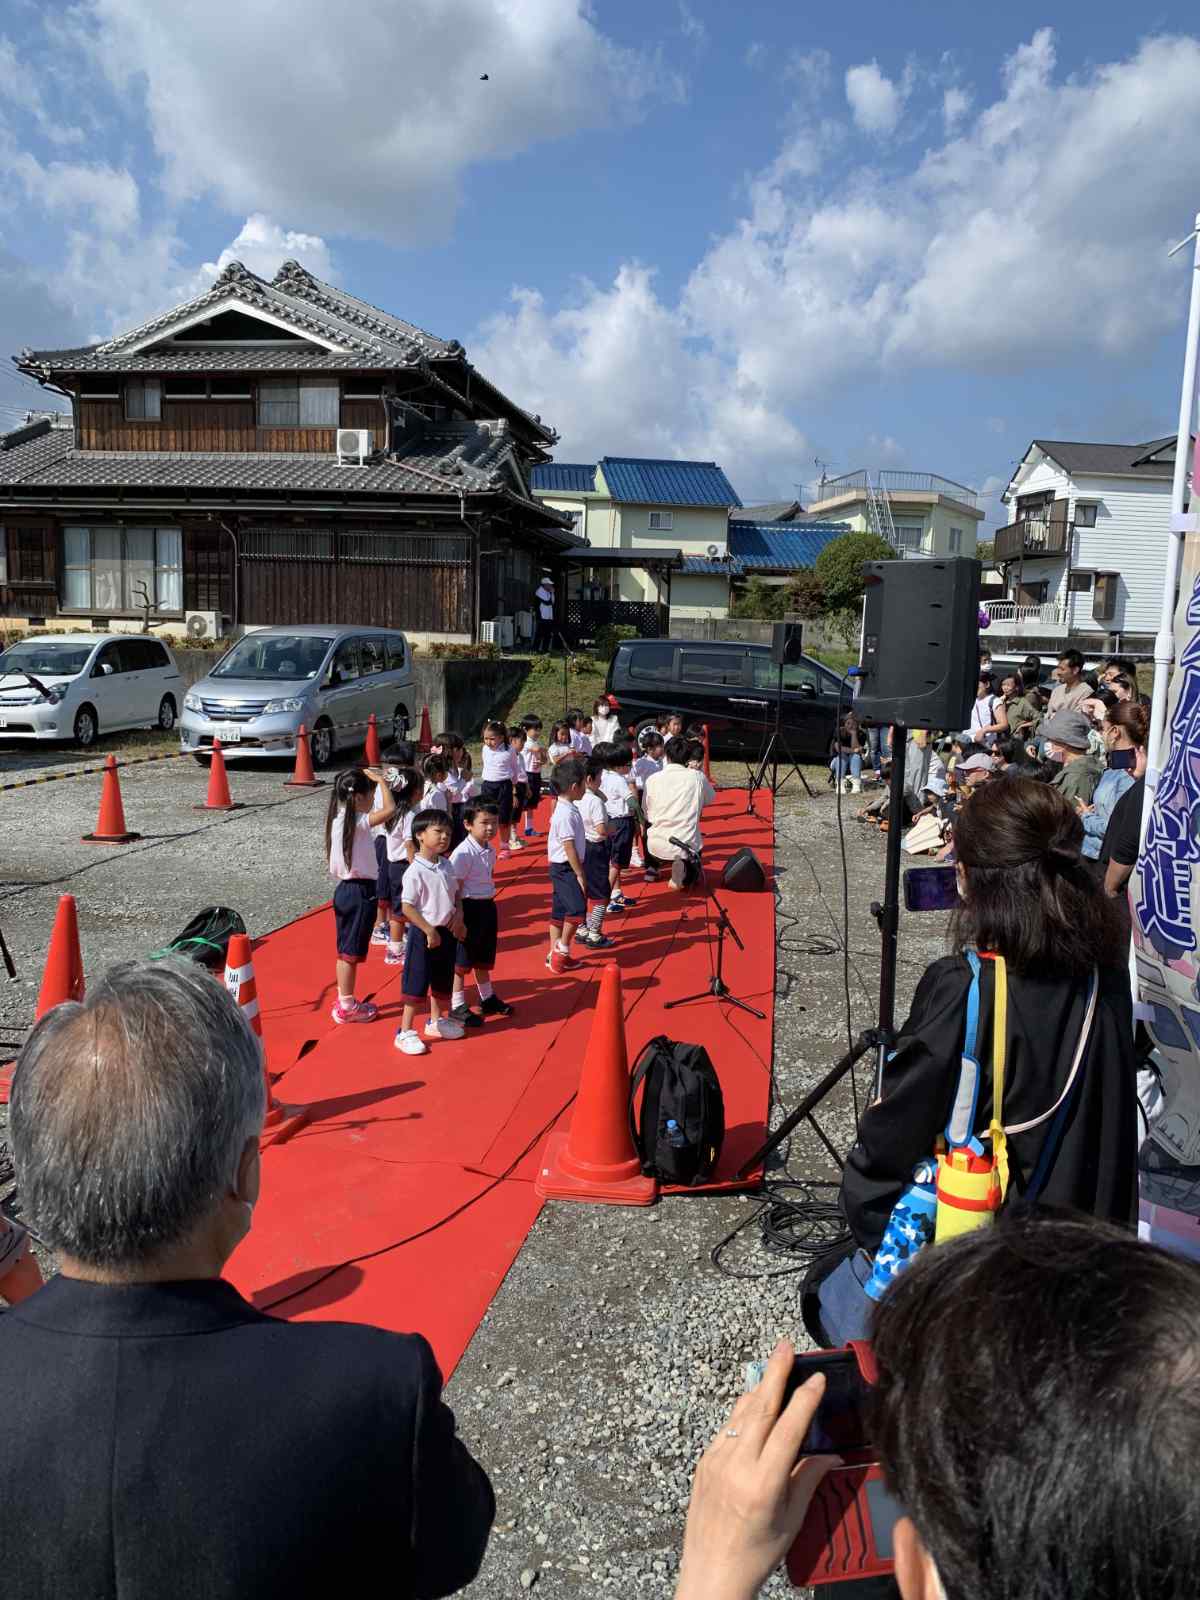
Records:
x=484, y=78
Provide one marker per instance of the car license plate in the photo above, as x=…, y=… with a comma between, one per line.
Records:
x=228, y=733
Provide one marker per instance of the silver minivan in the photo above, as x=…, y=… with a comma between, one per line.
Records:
x=330, y=679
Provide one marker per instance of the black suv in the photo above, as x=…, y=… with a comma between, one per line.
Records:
x=733, y=688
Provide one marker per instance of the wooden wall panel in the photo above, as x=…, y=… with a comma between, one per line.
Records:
x=422, y=597
x=212, y=427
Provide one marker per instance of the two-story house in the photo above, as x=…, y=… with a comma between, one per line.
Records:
x=677, y=511
x=274, y=452
x=1085, y=547
x=918, y=513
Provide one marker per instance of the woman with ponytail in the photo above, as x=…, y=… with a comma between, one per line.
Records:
x=1026, y=895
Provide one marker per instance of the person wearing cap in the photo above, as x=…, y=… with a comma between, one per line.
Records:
x=976, y=769
x=1067, y=737
x=544, y=599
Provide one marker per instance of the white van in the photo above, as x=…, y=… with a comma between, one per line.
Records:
x=79, y=685
x=330, y=679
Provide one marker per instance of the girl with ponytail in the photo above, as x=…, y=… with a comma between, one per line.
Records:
x=351, y=852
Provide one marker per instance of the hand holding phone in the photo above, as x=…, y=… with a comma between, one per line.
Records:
x=750, y=1494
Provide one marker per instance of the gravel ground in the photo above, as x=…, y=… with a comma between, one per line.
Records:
x=614, y=1349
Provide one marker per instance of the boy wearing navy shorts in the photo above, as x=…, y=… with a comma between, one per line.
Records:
x=620, y=795
x=533, y=758
x=590, y=806
x=565, y=845
x=474, y=863
x=431, y=909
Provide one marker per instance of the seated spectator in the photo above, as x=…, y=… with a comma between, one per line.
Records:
x=672, y=801
x=1066, y=738
x=1028, y=898
x=925, y=783
x=1125, y=731
x=1072, y=687
x=162, y=1437
x=1010, y=759
x=1035, y=1418
x=846, y=748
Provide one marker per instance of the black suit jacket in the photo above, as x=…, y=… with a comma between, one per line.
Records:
x=170, y=1442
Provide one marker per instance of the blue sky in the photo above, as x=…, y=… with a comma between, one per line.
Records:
x=911, y=236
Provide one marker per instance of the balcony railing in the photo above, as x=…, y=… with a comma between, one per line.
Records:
x=1010, y=617
x=896, y=482
x=1032, y=537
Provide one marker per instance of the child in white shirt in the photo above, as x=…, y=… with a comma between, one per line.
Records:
x=591, y=808
x=560, y=743
x=620, y=793
x=474, y=865
x=436, y=796
x=516, y=747
x=606, y=725
x=399, y=849
x=496, y=790
x=350, y=850
x=432, y=911
x=580, y=743
x=534, y=758
x=565, y=847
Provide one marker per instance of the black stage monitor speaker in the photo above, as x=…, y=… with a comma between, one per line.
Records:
x=744, y=871
x=787, y=643
x=920, y=659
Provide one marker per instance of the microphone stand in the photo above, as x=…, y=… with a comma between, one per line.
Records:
x=717, y=987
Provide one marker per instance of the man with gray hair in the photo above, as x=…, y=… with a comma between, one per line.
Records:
x=161, y=1436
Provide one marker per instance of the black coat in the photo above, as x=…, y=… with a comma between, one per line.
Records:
x=1095, y=1170
x=168, y=1440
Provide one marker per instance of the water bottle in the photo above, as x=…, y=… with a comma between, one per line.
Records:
x=910, y=1227
x=676, y=1137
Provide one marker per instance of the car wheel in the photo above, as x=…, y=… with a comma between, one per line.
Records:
x=166, y=714
x=202, y=760
x=399, y=724
x=86, y=728
x=320, y=744
x=647, y=724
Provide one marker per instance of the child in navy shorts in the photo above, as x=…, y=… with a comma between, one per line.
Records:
x=620, y=795
x=533, y=758
x=400, y=849
x=565, y=847
x=590, y=806
x=474, y=866
x=351, y=853
x=431, y=909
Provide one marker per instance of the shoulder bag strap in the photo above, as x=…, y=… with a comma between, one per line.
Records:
x=1080, y=1050
x=639, y=1072
x=999, y=1049
x=960, y=1126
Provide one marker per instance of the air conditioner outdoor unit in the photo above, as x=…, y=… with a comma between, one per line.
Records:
x=487, y=633
x=204, y=624
x=524, y=624
x=504, y=626
x=353, y=446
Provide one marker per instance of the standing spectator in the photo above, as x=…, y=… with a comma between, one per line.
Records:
x=989, y=717
x=162, y=1436
x=544, y=600
x=1067, y=738
x=1072, y=687
x=1022, y=709
x=1125, y=731
x=986, y=669
x=606, y=725
x=673, y=800
x=1032, y=671
x=1123, y=836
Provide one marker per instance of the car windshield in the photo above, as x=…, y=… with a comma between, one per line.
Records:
x=274, y=656
x=50, y=658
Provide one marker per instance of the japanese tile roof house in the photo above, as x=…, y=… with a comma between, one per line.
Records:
x=202, y=458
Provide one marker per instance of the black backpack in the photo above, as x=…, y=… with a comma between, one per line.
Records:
x=206, y=938
x=681, y=1087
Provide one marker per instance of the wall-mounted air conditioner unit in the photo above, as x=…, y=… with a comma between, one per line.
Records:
x=204, y=624
x=353, y=446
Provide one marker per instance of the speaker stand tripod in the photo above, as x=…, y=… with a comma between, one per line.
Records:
x=770, y=758
x=718, y=989
x=879, y=1038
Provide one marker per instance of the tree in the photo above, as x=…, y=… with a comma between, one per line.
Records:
x=761, y=601
x=986, y=551
x=839, y=568
x=808, y=595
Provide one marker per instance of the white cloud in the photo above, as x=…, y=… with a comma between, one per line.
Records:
x=108, y=195
x=263, y=246
x=692, y=27
x=1037, y=231
x=956, y=103
x=362, y=123
x=875, y=101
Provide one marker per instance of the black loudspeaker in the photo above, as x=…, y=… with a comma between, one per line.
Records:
x=920, y=661
x=744, y=872
x=787, y=643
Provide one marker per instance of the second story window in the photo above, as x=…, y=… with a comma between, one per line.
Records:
x=956, y=541
x=143, y=399
x=1085, y=513
x=297, y=403
x=662, y=519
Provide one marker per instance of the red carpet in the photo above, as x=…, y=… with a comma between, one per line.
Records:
x=405, y=1199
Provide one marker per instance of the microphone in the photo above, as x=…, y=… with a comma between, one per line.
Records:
x=688, y=849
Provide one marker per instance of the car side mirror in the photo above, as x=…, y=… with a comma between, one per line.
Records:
x=103, y=670
x=807, y=690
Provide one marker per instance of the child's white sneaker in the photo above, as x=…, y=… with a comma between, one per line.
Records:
x=409, y=1043
x=444, y=1028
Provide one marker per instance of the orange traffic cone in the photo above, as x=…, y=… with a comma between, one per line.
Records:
x=303, y=776
x=371, y=751
x=219, y=798
x=425, y=737
x=63, y=976
x=110, y=824
x=281, y=1121
x=596, y=1160
x=707, y=768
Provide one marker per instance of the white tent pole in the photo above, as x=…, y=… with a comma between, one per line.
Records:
x=1164, y=644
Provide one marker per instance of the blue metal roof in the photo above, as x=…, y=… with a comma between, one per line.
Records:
x=766, y=547
x=633, y=480
x=559, y=477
